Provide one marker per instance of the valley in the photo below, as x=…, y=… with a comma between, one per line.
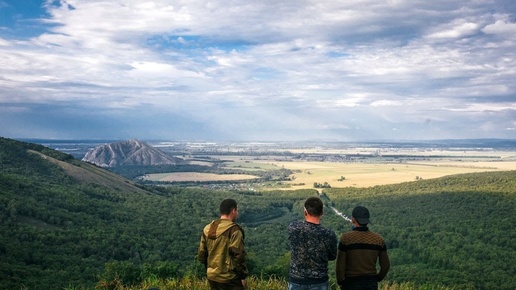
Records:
x=68, y=224
x=338, y=164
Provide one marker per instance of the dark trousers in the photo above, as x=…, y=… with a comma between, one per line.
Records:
x=360, y=283
x=231, y=285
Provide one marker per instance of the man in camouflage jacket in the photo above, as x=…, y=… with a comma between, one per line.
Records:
x=222, y=251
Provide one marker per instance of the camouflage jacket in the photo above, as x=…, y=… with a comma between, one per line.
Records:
x=222, y=251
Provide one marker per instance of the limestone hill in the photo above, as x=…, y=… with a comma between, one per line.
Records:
x=130, y=152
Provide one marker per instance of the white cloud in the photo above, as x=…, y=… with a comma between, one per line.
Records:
x=292, y=61
x=501, y=27
x=456, y=30
x=487, y=107
x=4, y=42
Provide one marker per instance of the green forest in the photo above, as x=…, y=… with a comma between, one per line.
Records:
x=66, y=224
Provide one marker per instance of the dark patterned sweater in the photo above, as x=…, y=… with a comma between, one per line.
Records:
x=312, y=246
x=359, y=252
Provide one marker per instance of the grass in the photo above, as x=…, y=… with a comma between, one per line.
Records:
x=253, y=283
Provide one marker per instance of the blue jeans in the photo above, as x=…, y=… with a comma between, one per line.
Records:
x=321, y=286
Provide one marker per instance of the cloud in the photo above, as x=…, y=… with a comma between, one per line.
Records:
x=263, y=69
x=456, y=30
x=501, y=27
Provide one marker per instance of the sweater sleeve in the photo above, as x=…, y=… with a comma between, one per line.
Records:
x=333, y=247
x=340, y=265
x=385, y=264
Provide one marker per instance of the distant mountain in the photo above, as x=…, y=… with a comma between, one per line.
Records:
x=130, y=152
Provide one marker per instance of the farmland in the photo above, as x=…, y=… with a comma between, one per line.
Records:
x=352, y=166
x=196, y=176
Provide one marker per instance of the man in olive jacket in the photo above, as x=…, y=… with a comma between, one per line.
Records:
x=222, y=251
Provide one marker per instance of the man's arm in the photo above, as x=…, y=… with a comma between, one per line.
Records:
x=202, y=251
x=237, y=251
x=340, y=265
x=385, y=264
x=332, y=255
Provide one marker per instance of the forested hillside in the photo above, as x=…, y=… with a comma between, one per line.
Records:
x=65, y=223
x=456, y=230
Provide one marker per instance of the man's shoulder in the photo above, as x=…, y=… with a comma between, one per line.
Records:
x=354, y=235
x=208, y=225
x=327, y=231
x=294, y=224
x=375, y=234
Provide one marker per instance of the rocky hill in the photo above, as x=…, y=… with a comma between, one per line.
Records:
x=130, y=152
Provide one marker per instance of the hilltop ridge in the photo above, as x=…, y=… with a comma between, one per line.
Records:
x=88, y=173
x=130, y=152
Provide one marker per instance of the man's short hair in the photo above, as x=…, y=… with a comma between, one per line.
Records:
x=227, y=205
x=314, y=206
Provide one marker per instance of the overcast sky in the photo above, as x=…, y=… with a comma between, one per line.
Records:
x=261, y=70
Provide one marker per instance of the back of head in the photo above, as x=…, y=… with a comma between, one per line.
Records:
x=227, y=205
x=314, y=206
x=361, y=215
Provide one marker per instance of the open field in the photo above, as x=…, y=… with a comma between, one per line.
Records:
x=366, y=174
x=346, y=166
x=195, y=176
x=371, y=173
x=355, y=174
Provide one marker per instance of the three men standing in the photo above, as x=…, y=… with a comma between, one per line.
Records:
x=312, y=246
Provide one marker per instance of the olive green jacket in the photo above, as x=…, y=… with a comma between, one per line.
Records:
x=222, y=251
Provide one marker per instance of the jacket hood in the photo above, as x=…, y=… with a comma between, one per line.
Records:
x=217, y=228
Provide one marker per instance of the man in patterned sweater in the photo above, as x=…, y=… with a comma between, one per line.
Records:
x=312, y=246
x=359, y=252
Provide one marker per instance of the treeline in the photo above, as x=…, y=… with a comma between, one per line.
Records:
x=59, y=232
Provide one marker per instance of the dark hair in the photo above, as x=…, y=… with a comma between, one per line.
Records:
x=314, y=206
x=227, y=205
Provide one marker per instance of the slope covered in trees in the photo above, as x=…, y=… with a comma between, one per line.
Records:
x=66, y=223
x=456, y=230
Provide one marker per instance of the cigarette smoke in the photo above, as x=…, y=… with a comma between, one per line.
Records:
x=340, y=214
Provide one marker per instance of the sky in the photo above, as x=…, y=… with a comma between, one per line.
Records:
x=282, y=70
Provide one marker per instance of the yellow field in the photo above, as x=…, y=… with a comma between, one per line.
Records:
x=357, y=174
x=368, y=174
